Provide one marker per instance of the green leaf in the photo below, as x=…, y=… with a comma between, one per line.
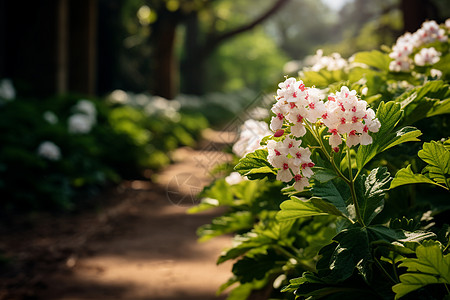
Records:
x=324, y=175
x=370, y=192
x=440, y=108
x=374, y=59
x=257, y=240
x=297, y=208
x=255, y=165
x=437, y=172
x=383, y=233
x=243, y=244
x=335, y=192
x=430, y=267
x=326, y=206
x=406, y=176
x=438, y=158
x=389, y=115
x=257, y=267
x=229, y=223
x=242, y=291
x=424, y=101
x=351, y=250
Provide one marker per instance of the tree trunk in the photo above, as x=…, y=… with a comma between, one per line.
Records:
x=197, y=51
x=415, y=12
x=166, y=68
x=192, y=68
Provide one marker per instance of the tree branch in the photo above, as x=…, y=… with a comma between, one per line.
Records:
x=213, y=42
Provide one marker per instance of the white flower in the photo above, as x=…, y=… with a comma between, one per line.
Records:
x=234, y=178
x=331, y=63
x=50, y=117
x=405, y=45
x=401, y=65
x=427, y=56
x=436, y=73
x=7, y=91
x=364, y=91
x=49, y=151
x=293, y=161
x=447, y=23
x=80, y=123
x=285, y=174
x=300, y=182
x=88, y=108
x=277, y=151
x=349, y=116
x=251, y=134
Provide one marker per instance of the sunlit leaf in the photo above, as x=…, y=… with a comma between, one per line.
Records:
x=406, y=176
x=436, y=172
x=255, y=165
x=374, y=59
x=424, y=101
x=389, y=115
x=228, y=223
x=297, y=208
x=430, y=267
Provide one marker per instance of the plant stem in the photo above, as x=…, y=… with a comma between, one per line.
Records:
x=384, y=271
x=297, y=260
x=351, y=184
x=322, y=147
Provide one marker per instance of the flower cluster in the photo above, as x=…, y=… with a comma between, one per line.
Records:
x=296, y=103
x=331, y=63
x=293, y=161
x=405, y=45
x=49, y=151
x=250, y=137
x=347, y=115
x=50, y=117
x=344, y=114
x=7, y=91
x=84, y=118
x=427, y=56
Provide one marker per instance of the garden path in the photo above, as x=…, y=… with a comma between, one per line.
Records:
x=143, y=247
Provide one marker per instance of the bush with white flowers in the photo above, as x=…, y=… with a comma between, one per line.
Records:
x=346, y=197
x=56, y=152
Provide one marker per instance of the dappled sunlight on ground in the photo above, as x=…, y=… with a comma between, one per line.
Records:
x=151, y=249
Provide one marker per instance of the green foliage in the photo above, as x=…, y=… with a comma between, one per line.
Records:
x=255, y=165
x=436, y=172
x=370, y=191
x=430, y=267
x=260, y=55
x=375, y=59
x=389, y=115
x=122, y=142
x=354, y=232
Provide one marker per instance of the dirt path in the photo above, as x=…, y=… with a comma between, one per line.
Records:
x=144, y=247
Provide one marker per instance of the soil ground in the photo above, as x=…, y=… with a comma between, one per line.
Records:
x=141, y=245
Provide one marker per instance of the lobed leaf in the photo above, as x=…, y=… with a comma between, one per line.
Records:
x=389, y=114
x=297, y=208
x=406, y=176
x=370, y=193
x=424, y=101
x=374, y=59
x=255, y=165
x=430, y=267
x=436, y=172
x=335, y=192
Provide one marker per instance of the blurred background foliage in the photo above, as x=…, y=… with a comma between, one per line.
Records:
x=211, y=58
x=252, y=58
